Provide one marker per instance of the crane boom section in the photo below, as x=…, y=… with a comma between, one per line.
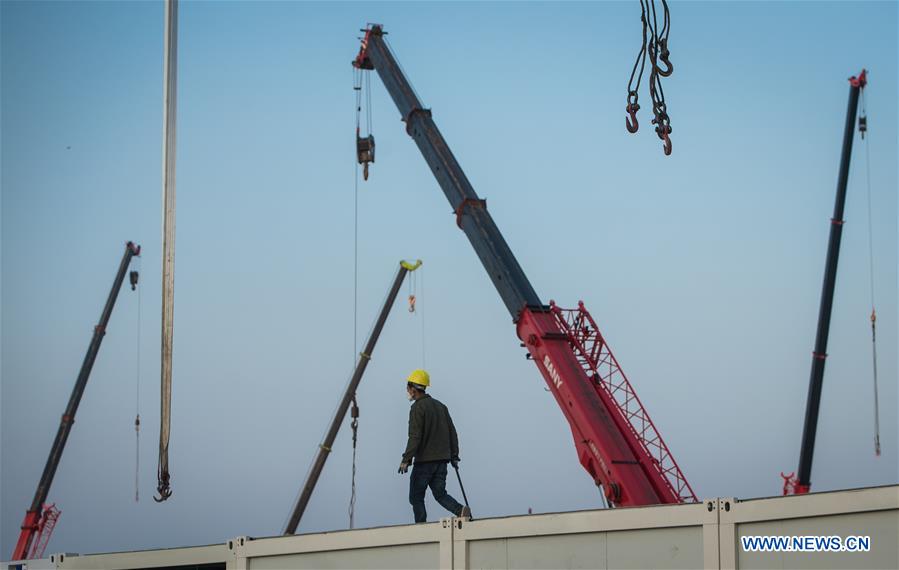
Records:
x=471, y=212
x=803, y=481
x=616, y=441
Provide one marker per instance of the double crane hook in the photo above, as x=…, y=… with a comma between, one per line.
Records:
x=655, y=46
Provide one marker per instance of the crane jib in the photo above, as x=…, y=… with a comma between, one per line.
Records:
x=492, y=249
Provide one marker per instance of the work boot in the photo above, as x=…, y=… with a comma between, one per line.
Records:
x=465, y=513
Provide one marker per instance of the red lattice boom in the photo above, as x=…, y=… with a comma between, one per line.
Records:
x=598, y=362
x=44, y=531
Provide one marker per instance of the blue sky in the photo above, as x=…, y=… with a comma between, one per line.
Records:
x=703, y=269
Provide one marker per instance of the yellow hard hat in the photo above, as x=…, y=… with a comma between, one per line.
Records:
x=419, y=377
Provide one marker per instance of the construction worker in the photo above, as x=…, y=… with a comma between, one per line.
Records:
x=432, y=444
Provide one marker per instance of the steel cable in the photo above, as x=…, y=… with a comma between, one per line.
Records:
x=355, y=422
x=863, y=120
x=137, y=396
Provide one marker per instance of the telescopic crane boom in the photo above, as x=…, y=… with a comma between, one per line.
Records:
x=801, y=482
x=36, y=518
x=616, y=441
x=324, y=448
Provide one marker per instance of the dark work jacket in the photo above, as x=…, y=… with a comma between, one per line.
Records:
x=432, y=435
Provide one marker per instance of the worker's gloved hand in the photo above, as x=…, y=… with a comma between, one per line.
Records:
x=454, y=462
x=404, y=467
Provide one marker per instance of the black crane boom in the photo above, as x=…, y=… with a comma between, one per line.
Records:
x=471, y=212
x=816, y=377
x=31, y=524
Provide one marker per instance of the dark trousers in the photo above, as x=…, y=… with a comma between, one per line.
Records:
x=431, y=474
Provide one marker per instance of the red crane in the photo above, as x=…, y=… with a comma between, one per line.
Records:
x=41, y=518
x=616, y=441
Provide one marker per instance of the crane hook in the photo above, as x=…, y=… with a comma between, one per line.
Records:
x=163, y=488
x=630, y=122
x=663, y=129
x=667, y=146
x=664, y=54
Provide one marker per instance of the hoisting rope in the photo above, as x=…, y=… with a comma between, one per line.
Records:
x=863, y=129
x=412, y=290
x=367, y=100
x=133, y=277
x=421, y=292
x=357, y=87
x=655, y=46
x=365, y=146
x=416, y=293
x=354, y=422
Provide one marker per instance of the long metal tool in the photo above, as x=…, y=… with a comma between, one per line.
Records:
x=33, y=523
x=170, y=89
x=462, y=487
x=324, y=448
